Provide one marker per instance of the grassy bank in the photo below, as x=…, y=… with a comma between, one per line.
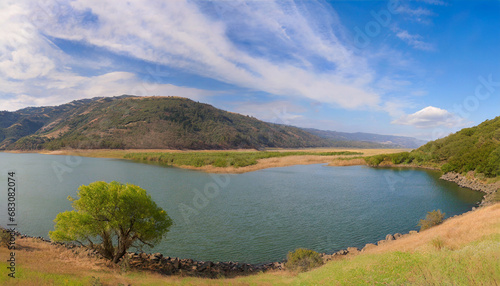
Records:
x=221, y=159
x=448, y=254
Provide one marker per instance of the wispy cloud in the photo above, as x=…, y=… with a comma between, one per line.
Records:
x=435, y=2
x=190, y=36
x=416, y=41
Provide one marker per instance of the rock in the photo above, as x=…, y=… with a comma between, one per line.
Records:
x=389, y=237
x=157, y=256
x=177, y=264
x=380, y=242
x=327, y=257
x=412, y=232
x=143, y=256
x=368, y=246
x=352, y=250
x=342, y=252
x=398, y=235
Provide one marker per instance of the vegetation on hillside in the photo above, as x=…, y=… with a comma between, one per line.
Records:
x=432, y=218
x=144, y=122
x=375, y=140
x=470, y=149
x=129, y=122
x=303, y=260
x=220, y=159
x=111, y=218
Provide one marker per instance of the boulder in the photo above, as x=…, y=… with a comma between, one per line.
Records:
x=352, y=250
x=368, y=246
x=342, y=252
x=389, y=237
x=177, y=264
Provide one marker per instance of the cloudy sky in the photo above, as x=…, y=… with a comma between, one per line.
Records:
x=422, y=69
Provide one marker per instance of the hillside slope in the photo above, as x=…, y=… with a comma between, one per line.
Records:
x=470, y=149
x=144, y=122
x=380, y=141
x=474, y=149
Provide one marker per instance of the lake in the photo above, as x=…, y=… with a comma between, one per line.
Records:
x=253, y=217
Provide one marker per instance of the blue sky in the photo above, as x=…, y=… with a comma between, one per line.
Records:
x=414, y=68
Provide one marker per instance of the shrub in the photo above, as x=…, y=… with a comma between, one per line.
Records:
x=4, y=238
x=375, y=160
x=438, y=243
x=432, y=218
x=303, y=259
x=400, y=158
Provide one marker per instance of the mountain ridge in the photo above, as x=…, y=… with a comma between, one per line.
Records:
x=384, y=140
x=131, y=122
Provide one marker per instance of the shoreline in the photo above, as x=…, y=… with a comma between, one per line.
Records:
x=274, y=162
x=177, y=267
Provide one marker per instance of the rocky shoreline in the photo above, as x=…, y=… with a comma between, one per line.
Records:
x=474, y=184
x=165, y=265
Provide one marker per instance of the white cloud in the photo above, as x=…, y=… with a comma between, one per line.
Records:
x=61, y=88
x=279, y=111
x=435, y=2
x=430, y=117
x=414, y=41
x=418, y=12
x=178, y=33
x=33, y=71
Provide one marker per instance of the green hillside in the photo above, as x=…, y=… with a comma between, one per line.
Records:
x=470, y=149
x=146, y=123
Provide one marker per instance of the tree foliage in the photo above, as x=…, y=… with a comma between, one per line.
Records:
x=432, y=218
x=111, y=218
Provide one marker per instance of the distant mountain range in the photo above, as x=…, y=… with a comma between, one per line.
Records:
x=132, y=122
x=383, y=140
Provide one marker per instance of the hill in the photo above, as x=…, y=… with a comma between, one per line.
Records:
x=144, y=122
x=475, y=149
x=370, y=139
x=470, y=149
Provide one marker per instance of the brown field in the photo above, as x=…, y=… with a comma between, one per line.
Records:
x=262, y=164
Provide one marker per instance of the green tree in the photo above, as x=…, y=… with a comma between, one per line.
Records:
x=112, y=218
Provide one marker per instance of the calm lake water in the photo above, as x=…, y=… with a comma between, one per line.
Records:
x=252, y=217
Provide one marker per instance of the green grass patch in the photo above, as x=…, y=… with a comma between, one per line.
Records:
x=220, y=159
x=474, y=264
x=28, y=277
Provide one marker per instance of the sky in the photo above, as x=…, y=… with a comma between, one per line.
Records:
x=413, y=68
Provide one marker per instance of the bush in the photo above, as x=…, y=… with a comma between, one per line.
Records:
x=303, y=259
x=432, y=218
x=4, y=238
x=400, y=158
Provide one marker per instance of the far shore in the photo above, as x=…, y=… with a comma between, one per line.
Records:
x=338, y=160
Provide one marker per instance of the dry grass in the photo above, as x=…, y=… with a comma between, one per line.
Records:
x=453, y=232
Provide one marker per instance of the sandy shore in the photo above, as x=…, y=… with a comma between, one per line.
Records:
x=261, y=164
